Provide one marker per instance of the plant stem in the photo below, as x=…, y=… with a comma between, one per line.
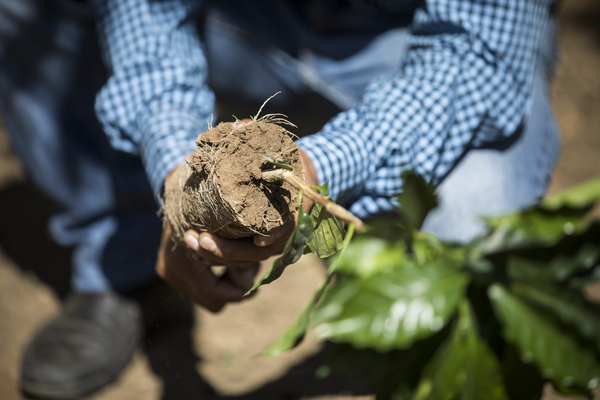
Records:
x=279, y=175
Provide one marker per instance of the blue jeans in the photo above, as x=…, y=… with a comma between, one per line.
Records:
x=50, y=70
x=495, y=182
x=499, y=180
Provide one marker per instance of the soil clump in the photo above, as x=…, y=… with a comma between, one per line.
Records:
x=219, y=189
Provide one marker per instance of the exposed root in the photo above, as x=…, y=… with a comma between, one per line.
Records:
x=219, y=188
x=280, y=175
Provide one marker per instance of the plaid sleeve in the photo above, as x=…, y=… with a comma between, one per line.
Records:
x=466, y=82
x=156, y=101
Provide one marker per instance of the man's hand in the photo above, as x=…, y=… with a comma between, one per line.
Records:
x=188, y=267
x=194, y=277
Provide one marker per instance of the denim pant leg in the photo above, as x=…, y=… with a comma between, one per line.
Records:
x=50, y=71
x=495, y=182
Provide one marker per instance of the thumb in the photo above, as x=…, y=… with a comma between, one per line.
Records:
x=276, y=234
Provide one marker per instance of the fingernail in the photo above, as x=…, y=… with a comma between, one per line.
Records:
x=262, y=241
x=208, y=244
x=191, y=241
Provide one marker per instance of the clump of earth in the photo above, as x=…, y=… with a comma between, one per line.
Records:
x=220, y=187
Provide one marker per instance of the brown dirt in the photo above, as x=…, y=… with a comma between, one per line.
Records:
x=33, y=272
x=220, y=189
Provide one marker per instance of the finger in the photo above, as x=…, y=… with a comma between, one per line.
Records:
x=278, y=233
x=228, y=277
x=197, y=281
x=310, y=176
x=224, y=286
x=243, y=277
x=187, y=287
x=215, y=293
x=217, y=249
x=214, y=261
x=245, y=121
x=173, y=276
x=211, y=303
x=214, y=287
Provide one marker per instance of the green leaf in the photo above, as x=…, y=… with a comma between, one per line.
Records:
x=389, y=307
x=539, y=340
x=329, y=231
x=296, y=331
x=386, y=373
x=464, y=367
x=580, y=282
x=523, y=380
x=388, y=228
x=293, y=250
x=544, y=224
x=278, y=163
x=367, y=256
x=426, y=247
x=558, y=269
x=581, y=197
x=416, y=200
x=569, y=307
x=393, y=374
x=534, y=227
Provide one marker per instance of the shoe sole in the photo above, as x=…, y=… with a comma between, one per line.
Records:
x=74, y=390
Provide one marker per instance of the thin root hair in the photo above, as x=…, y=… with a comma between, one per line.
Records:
x=263, y=104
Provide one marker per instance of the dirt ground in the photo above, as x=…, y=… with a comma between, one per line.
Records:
x=220, y=351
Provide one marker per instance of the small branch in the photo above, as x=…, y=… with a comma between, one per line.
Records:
x=279, y=175
x=279, y=164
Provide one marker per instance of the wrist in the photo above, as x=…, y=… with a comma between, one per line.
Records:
x=308, y=169
x=310, y=177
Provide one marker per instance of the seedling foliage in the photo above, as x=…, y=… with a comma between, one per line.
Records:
x=421, y=318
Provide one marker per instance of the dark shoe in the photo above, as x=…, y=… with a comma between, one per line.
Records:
x=84, y=348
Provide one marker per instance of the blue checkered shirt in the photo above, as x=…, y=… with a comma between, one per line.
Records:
x=466, y=81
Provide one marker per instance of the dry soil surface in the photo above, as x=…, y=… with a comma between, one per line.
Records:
x=220, y=350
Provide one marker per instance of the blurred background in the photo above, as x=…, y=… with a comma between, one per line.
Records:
x=221, y=350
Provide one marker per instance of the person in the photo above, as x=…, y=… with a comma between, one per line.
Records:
x=455, y=90
x=50, y=72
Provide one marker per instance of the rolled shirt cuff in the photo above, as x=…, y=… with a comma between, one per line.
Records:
x=339, y=161
x=169, y=137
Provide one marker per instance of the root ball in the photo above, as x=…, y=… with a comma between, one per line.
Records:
x=219, y=188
